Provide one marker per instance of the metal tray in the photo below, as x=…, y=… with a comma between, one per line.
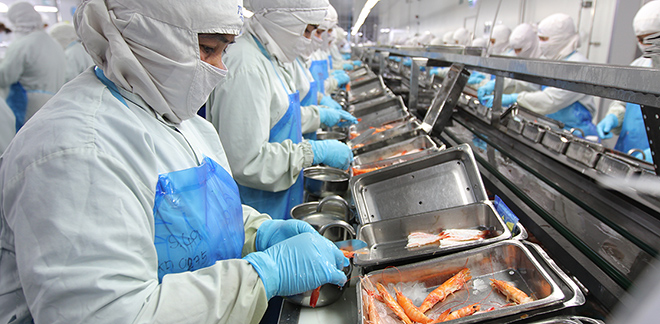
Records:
x=515, y=124
x=387, y=239
x=614, y=166
x=370, y=140
x=567, y=319
x=384, y=155
x=368, y=103
x=359, y=72
x=379, y=118
x=555, y=141
x=363, y=112
x=366, y=90
x=508, y=260
x=442, y=106
x=584, y=151
x=533, y=132
x=442, y=180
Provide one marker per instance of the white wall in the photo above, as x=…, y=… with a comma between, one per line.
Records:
x=406, y=18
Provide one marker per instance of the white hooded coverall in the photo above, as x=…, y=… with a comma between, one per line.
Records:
x=77, y=59
x=78, y=181
x=7, y=125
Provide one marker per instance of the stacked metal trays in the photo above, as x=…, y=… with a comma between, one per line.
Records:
x=366, y=89
x=521, y=263
x=386, y=156
x=389, y=111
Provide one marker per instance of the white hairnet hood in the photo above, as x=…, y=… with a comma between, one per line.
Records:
x=425, y=38
x=525, y=39
x=647, y=19
x=461, y=36
x=280, y=24
x=330, y=19
x=24, y=18
x=64, y=33
x=563, y=38
x=150, y=47
x=501, y=35
x=479, y=42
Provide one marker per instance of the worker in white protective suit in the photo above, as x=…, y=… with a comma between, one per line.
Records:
x=260, y=125
x=447, y=39
x=34, y=66
x=558, y=40
x=7, y=125
x=320, y=63
x=479, y=42
x=525, y=44
x=623, y=118
x=103, y=217
x=462, y=37
x=499, y=41
x=337, y=58
x=77, y=59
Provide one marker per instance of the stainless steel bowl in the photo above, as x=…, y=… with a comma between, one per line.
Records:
x=325, y=135
x=323, y=181
x=333, y=205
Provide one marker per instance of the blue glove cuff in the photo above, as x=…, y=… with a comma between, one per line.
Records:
x=614, y=119
x=267, y=270
x=260, y=242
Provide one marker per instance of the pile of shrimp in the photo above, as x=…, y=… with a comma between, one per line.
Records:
x=382, y=307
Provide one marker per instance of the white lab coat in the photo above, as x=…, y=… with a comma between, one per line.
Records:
x=77, y=228
x=7, y=125
x=77, y=60
x=551, y=99
x=618, y=108
x=244, y=110
x=37, y=61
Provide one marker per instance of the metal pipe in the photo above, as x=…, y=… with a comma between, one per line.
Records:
x=497, y=12
x=591, y=28
x=476, y=18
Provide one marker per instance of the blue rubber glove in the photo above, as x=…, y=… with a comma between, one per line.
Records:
x=331, y=103
x=346, y=56
x=347, y=66
x=647, y=155
x=275, y=231
x=299, y=264
x=407, y=61
x=476, y=77
x=435, y=71
x=342, y=79
x=486, y=89
x=331, y=117
x=332, y=153
x=605, y=126
x=507, y=100
x=357, y=63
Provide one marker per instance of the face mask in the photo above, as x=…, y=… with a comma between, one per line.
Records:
x=642, y=47
x=317, y=43
x=303, y=45
x=311, y=48
x=206, y=78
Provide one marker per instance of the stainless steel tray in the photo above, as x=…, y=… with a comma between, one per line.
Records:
x=367, y=90
x=387, y=239
x=568, y=320
x=379, y=118
x=364, y=142
x=442, y=180
x=384, y=155
x=508, y=260
x=359, y=72
x=614, y=166
x=368, y=103
x=376, y=106
x=533, y=131
x=584, y=151
x=555, y=141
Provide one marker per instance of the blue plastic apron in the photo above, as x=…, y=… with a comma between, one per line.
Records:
x=278, y=204
x=576, y=115
x=198, y=215
x=633, y=130
x=310, y=99
x=17, y=101
x=330, y=61
x=319, y=70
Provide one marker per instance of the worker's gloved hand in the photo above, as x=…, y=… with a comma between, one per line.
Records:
x=605, y=126
x=347, y=66
x=275, y=231
x=342, y=78
x=332, y=153
x=299, y=264
x=476, y=77
x=357, y=63
x=435, y=71
x=486, y=89
x=331, y=117
x=331, y=103
x=647, y=155
x=507, y=100
x=407, y=61
x=346, y=56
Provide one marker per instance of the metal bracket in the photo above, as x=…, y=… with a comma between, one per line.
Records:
x=417, y=63
x=383, y=61
x=497, y=101
x=652, y=121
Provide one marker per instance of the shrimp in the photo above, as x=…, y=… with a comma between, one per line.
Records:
x=448, y=287
x=410, y=309
x=371, y=314
x=417, y=239
x=314, y=298
x=358, y=171
x=462, y=312
x=442, y=316
x=511, y=292
x=392, y=304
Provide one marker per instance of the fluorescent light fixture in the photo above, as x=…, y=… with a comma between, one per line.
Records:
x=363, y=15
x=46, y=9
x=3, y=7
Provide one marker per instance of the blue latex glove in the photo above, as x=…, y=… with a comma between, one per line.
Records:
x=331, y=117
x=342, y=79
x=435, y=71
x=407, y=61
x=329, y=102
x=605, y=126
x=346, y=56
x=647, y=155
x=486, y=89
x=275, y=231
x=299, y=264
x=507, y=100
x=476, y=77
x=357, y=63
x=332, y=153
x=347, y=66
